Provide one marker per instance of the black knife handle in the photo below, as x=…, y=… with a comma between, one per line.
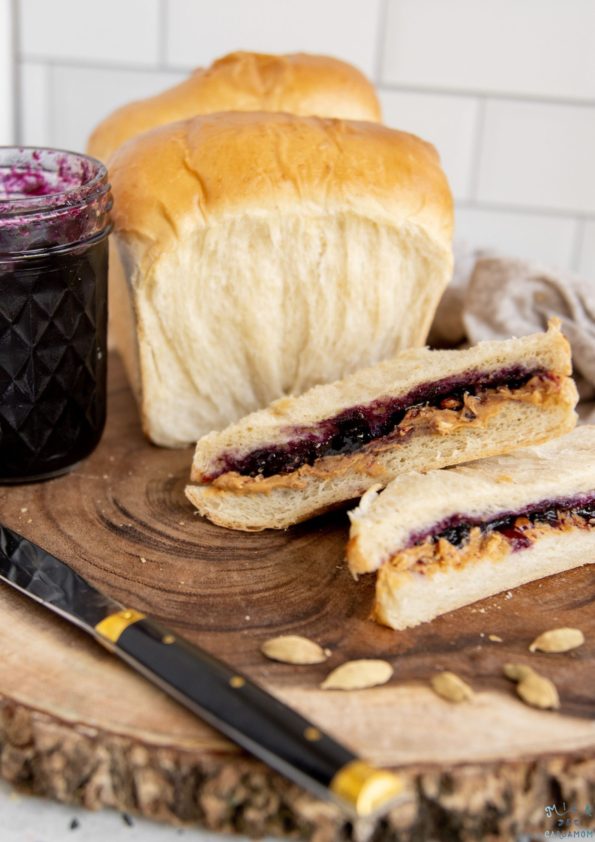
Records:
x=247, y=714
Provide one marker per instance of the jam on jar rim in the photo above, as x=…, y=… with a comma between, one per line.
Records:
x=50, y=198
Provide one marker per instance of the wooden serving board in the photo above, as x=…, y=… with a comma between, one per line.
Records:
x=77, y=725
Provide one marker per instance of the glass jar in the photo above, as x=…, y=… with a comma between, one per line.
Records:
x=54, y=222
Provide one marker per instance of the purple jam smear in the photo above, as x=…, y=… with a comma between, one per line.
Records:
x=355, y=427
x=457, y=528
x=31, y=176
x=26, y=183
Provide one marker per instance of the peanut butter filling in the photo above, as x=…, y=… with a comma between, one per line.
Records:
x=453, y=413
x=430, y=557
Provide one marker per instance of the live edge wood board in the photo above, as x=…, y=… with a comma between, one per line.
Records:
x=78, y=726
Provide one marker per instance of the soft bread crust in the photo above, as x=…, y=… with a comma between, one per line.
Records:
x=189, y=175
x=264, y=253
x=382, y=523
x=297, y=83
x=334, y=480
x=405, y=599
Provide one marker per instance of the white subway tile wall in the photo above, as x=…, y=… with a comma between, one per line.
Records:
x=449, y=122
x=551, y=239
x=199, y=31
x=539, y=48
x=34, y=105
x=505, y=89
x=538, y=155
x=82, y=96
x=111, y=32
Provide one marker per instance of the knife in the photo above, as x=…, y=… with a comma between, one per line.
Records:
x=223, y=697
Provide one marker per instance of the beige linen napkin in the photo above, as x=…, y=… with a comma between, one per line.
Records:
x=494, y=297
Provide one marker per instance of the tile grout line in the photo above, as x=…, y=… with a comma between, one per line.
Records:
x=166, y=67
x=380, y=40
x=534, y=99
x=82, y=64
x=526, y=210
x=476, y=156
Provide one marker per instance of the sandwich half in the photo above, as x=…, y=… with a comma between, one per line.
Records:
x=420, y=410
x=446, y=539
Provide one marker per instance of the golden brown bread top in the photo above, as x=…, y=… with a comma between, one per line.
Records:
x=297, y=83
x=176, y=179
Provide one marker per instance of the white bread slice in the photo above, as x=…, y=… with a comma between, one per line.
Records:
x=254, y=503
x=406, y=599
x=388, y=529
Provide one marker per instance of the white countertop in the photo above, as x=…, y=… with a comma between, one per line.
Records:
x=28, y=819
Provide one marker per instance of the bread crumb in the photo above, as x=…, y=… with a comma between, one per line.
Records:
x=280, y=406
x=143, y=560
x=24, y=509
x=495, y=638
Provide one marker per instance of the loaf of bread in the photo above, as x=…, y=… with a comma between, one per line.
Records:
x=421, y=410
x=445, y=539
x=258, y=254
x=298, y=84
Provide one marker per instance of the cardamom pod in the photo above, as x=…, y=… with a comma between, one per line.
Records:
x=538, y=691
x=293, y=649
x=558, y=640
x=518, y=672
x=358, y=675
x=450, y=686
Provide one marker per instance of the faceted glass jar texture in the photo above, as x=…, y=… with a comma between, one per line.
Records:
x=54, y=222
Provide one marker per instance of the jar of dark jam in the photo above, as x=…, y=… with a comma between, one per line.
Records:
x=54, y=222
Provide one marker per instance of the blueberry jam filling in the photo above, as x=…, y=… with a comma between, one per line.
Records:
x=512, y=525
x=355, y=427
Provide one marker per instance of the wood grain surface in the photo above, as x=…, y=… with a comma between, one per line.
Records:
x=78, y=725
